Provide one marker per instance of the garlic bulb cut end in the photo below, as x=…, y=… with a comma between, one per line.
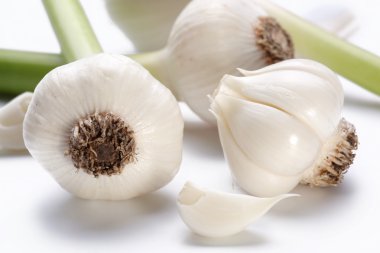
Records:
x=218, y=214
x=334, y=163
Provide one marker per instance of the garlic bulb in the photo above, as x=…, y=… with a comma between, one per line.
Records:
x=218, y=214
x=147, y=23
x=281, y=125
x=213, y=38
x=105, y=128
x=11, y=120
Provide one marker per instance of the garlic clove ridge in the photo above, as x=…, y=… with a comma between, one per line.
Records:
x=250, y=177
x=255, y=129
x=289, y=88
x=219, y=214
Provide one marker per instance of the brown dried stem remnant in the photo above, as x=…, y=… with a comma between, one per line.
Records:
x=273, y=40
x=101, y=144
x=334, y=164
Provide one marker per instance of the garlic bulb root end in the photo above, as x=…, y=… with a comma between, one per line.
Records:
x=101, y=144
x=273, y=40
x=335, y=162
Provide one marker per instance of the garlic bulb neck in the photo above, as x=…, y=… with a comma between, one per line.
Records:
x=273, y=40
x=337, y=158
x=101, y=144
x=157, y=64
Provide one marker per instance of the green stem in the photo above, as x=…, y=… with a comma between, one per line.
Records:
x=352, y=62
x=21, y=71
x=72, y=28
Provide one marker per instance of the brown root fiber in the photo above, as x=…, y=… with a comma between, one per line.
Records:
x=273, y=40
x=330, y=169
x=101, y=144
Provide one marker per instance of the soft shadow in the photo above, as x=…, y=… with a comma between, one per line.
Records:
x=202, y=139
x=13, y=153
x=315, y=201
x=78, y=219
x=358, y=102
x=245, y=238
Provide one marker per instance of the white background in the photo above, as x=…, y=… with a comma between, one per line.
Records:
x=36, y=215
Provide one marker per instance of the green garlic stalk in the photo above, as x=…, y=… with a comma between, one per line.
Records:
x=21, y=71
x=72, y=28
x=350, y=61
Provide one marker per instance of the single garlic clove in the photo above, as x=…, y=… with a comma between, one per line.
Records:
x=218, y=214
x=213, y=38
x=254, y=127
x=11, y=121
x=258, y=150
x=105, y=128
x=281, y=125
x=147, y=23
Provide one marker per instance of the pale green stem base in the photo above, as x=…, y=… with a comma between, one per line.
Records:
x=350, y=61
x=156, y=63
x=20, y=71
x=72, y=28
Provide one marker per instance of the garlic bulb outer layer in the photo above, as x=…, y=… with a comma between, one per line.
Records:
x=147, y=23
x=105, y=128
x=219, y=214
x=281, y=125
x=213, y=38
x=11, y=121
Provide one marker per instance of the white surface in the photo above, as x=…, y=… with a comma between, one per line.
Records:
x=38, y=216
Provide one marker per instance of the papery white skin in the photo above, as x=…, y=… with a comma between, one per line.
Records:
x=147, y=23
x=274, y=123
x=106, y=83
x=208, y=40
x=218, y=214
x=11, y=121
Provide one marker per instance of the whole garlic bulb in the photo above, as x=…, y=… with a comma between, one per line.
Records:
x=213, y=38
x=282, y=125
x=105, y=128
x=147, y=23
